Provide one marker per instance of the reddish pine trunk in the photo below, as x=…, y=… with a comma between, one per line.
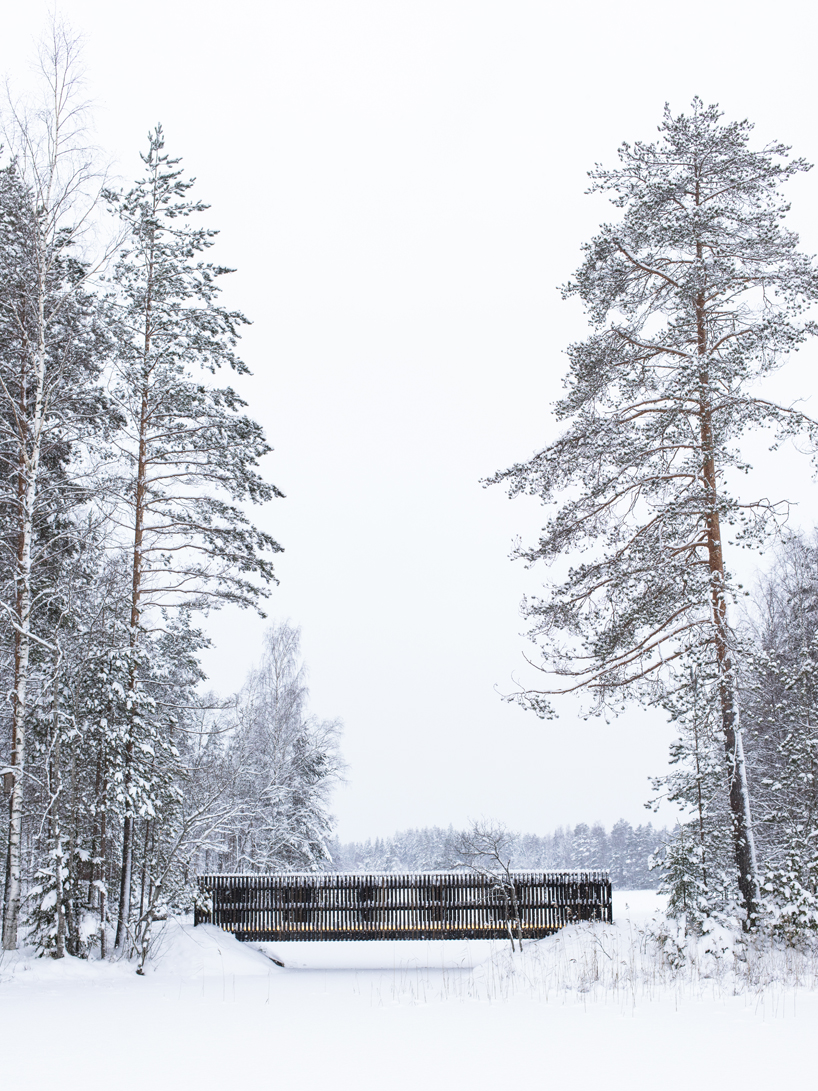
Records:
x=739, y=796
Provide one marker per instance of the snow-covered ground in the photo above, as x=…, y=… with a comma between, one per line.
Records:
x=587, y=1008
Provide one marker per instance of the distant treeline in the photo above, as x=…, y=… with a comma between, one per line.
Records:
x=624, y=851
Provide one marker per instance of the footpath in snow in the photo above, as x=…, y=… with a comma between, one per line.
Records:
x=591, y=1007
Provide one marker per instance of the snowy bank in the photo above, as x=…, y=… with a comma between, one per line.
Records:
x=211, y=1013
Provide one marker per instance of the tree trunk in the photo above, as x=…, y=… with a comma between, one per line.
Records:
x=699, y=799
x=28, y=469
x=72, y=893
x=739, y=794
x=103, y=848
x=140, y=496
x=136, y=593
x=11, y=904
x=516, y=910
x=56, y=834
x=125, y=881
x=144, y=875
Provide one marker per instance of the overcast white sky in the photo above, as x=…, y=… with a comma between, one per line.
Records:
x=400, y=186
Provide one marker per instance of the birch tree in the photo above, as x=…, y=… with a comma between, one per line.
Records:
x=47, y=364
x=694, y=294
x=190, y=454
x=487, y=848
x=284, y=764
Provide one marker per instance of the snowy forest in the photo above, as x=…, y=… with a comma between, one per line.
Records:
x=504, y=425
x=128, y=466
x=628, y=853
x=129, y=469
x=696, y=295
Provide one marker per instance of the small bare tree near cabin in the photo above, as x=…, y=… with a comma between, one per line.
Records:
x=487, y=849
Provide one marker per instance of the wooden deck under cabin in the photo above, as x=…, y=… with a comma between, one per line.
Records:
x=421, y=905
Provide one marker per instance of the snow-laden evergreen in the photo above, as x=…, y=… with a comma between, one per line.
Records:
x=189, y=455
x=695, y=293
x=127, y=471
x=780, y=706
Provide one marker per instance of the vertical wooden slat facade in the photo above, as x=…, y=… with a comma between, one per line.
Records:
x=424, y=905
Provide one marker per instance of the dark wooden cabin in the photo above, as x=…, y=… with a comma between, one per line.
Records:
x=421, y=905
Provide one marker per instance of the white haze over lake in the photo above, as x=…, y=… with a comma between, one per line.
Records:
x=399, y=184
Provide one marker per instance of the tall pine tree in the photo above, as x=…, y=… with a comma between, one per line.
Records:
x=191, y=455
x=694, y=294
